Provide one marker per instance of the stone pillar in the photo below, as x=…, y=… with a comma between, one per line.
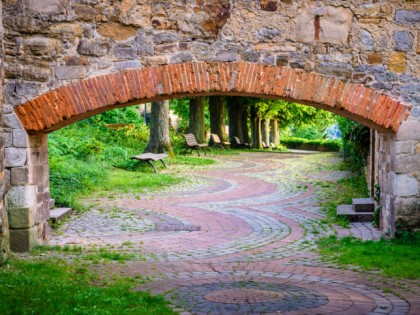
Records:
x=4, y=226
x=406, y=165
x=28, y=196
x=385, y=180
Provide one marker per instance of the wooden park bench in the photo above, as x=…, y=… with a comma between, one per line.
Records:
x=192, y=144
x=240, y=144
x=149, y=158
x=219, y=143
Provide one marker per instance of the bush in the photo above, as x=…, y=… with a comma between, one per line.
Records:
x=317, y=145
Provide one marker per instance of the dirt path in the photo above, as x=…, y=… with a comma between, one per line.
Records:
x=239, y=239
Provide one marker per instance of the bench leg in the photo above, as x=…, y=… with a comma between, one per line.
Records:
x=197, y=150
x=164, y=165
x=151, y=164
x=205, y=152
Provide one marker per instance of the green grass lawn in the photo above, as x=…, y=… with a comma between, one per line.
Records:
x=393, y=258
x=55, y=287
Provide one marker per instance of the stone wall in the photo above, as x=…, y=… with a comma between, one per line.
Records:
x=4, y=227
x=51, y=43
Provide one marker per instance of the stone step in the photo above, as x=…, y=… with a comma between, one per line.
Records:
x=353, y=216
x=52, y=203
x=59, y=214
x=363, y=204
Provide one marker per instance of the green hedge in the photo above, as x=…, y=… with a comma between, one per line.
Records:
x=315, y=145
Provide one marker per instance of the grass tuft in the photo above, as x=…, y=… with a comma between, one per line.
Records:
x=54, y=287
x=394, y=258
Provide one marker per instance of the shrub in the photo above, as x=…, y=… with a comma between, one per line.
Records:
x=320, y=145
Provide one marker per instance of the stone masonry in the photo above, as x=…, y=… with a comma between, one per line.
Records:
x=54, y=43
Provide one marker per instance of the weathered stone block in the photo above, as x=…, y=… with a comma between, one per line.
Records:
x=23, y=240
x=135, y=13
x=407, y=16
x=116, y=31
x=344, y=70
x=22, y=197
x=20, y=138
x=129, y=64
x=403, y=40
x=155, y=60
x=41, y=46
x=409, y=130
x=405, y=164
x=397, y=62
x=70, y=72
x=418, y=43
x=226, y=56
x=269, y=5
x=182, y=57
x=405, y=147
x=21, y=218
x=34, y=73
x=19, y=176
x=325, y=24
x=165, y=38
x=375, y=58
x=366, y=39
x=406, y=186
x=14, y=157
x=267, y=33
x=166, y=48
x=76, y=61
x=94, y=47
x=52, y=7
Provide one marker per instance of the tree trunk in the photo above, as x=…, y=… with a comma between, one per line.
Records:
x=256, y=128
x=235, y=109
x=197, y=126
x=275, y=132
x=265, y=123
x=217, y=116
x=159, y=140
x=244, y=135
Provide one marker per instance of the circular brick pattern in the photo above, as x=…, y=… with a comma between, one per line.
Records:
x=245, y=297
x=242, y=296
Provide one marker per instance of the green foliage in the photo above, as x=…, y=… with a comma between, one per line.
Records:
x=55, y=287
x=395, y=258
x=356, y=140
x=125, y=115
x=321, y=145
x=310, y=132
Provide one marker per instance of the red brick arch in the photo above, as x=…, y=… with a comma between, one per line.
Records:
x=94, y=95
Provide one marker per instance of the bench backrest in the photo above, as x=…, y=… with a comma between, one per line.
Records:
x=216, y=138
x=237, y=140
x=190, y=140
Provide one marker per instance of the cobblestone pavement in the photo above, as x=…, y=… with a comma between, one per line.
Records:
x=240, y=239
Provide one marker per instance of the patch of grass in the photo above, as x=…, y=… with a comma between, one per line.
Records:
x=108, y=256
x=342, y=192
x=394, y=258
x=191, y=160
x=128, y=181
x=55, y=287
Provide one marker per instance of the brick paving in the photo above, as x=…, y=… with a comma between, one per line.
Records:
x=240, y=239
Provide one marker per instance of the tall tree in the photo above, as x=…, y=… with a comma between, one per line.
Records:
x=244, y=136
x=217, y=116
x=255, y=116
x=196, y=119
x=265, y=132
x=235, y=108
x=159, y=140
x=274, y=131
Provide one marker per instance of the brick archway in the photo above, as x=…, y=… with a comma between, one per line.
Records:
x=91, y=96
